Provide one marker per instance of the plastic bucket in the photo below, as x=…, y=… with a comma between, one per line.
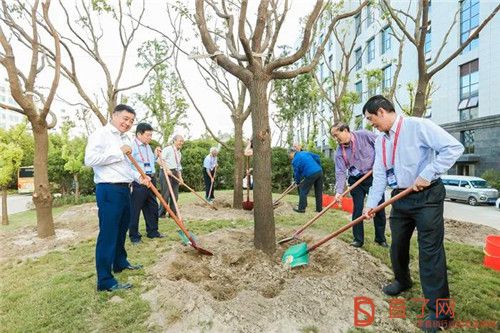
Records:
x=491, y=261
x=493, y=245
x=328, y=199
x=347, y=204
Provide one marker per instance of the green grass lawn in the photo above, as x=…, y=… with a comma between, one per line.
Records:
x=56, y=292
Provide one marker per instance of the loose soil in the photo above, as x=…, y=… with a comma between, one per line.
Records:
x=241, y=289
x=467, y=233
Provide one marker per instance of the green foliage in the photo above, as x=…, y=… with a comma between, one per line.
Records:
x=282, y=173
x=164, y=101
x=72, y=200
x=193, y=154
x=492, y=176
x=10, y=161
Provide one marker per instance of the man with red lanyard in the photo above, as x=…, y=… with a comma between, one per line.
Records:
x=171, y=156
x=353, y=158
x=414, y=152
x=142, y=198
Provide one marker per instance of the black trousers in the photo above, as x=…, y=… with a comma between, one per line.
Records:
x=208, y=183
x=424, y=211
x=143, y=199
x=316, y=180
x=165, y=193
x=358, y=197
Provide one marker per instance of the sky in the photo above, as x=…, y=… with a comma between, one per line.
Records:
x=216, y=113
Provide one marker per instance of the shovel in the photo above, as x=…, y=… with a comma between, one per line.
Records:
x=181, y=234
x=179, y=223
x=289, y=189
x=212, y=183
x=315, y=218
x=298, y=255
x=194, y=192
x=248, y=205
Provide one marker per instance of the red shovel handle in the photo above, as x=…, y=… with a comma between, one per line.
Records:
x=361, y=218
x=194, y=192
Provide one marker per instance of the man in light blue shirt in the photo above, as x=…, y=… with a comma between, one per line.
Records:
x=413, y=152
x=209, y=165
x=142, y=198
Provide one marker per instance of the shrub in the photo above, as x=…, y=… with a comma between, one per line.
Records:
x=71, y=200
x=492, y=176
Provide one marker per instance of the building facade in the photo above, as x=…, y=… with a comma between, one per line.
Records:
x=8, y=118
x=465, y=93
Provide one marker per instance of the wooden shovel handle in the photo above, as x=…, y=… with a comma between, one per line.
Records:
x=194, y=192
x=361, y=218
x=169, y=184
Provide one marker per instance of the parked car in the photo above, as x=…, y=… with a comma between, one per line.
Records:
x=473, y=190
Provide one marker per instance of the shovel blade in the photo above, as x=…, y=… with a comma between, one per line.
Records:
x=296, y=255
x=286, y=240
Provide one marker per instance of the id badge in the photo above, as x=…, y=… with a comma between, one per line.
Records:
x=354, y=172
x=147, y=168
x=391, y=178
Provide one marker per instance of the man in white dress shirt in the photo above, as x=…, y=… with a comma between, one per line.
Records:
x=106, y=153
x=172, y=157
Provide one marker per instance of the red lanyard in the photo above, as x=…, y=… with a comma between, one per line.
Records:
x=139, y=149
x=396, y=136
x=344, y=154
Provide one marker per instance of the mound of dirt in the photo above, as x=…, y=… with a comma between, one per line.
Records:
x=241, y=289
x=467, y=233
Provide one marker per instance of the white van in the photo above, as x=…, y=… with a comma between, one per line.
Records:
x=473, y=190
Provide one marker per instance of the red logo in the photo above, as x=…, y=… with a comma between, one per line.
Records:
x=363, y=317
x=445, y=307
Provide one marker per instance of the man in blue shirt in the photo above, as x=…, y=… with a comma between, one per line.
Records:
x=413, y=152
x=307, y=168
x=142, y=198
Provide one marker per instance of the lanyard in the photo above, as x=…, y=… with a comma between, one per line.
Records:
x=353, y=149
x=142, y=157
x=396, y=136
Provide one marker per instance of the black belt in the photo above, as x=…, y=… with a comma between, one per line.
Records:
x=117, y=184
x=433, y=183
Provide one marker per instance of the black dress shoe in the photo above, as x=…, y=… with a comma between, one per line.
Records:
x=295, y=209
x=157, y=236
x=116, y=287
x=395, y=288
x=383, y=244
x=129, y=267
x=356, y=244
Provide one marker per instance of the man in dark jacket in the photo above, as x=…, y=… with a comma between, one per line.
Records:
x=307, y=172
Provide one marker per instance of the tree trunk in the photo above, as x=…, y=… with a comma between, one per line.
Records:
x=238, y=164
x=264, y=229
x=5, y=215
x=77, y=186
x=42, y=197
x=420, y=105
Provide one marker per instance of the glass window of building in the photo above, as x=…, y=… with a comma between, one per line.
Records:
x=370, y=55
x=358, y=86
x=428, y=40
x=386, y=40
x=369, y=15
x=467, y=139
x=358, y=58
x=469, y=21
x=357, y=24
x=469, y=90
x=387, y=77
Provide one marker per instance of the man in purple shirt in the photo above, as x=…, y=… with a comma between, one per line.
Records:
x=354, y=157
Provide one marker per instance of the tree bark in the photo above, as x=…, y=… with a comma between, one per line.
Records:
x=420, y=105
x=5, y=215
x=42, y=197
x=77, y=186
x=264, y=228
x=238, y=164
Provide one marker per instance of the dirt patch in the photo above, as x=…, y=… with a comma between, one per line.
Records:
x=241, y=289
x=75, y=224
x=467, y=233
x=199, y=211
